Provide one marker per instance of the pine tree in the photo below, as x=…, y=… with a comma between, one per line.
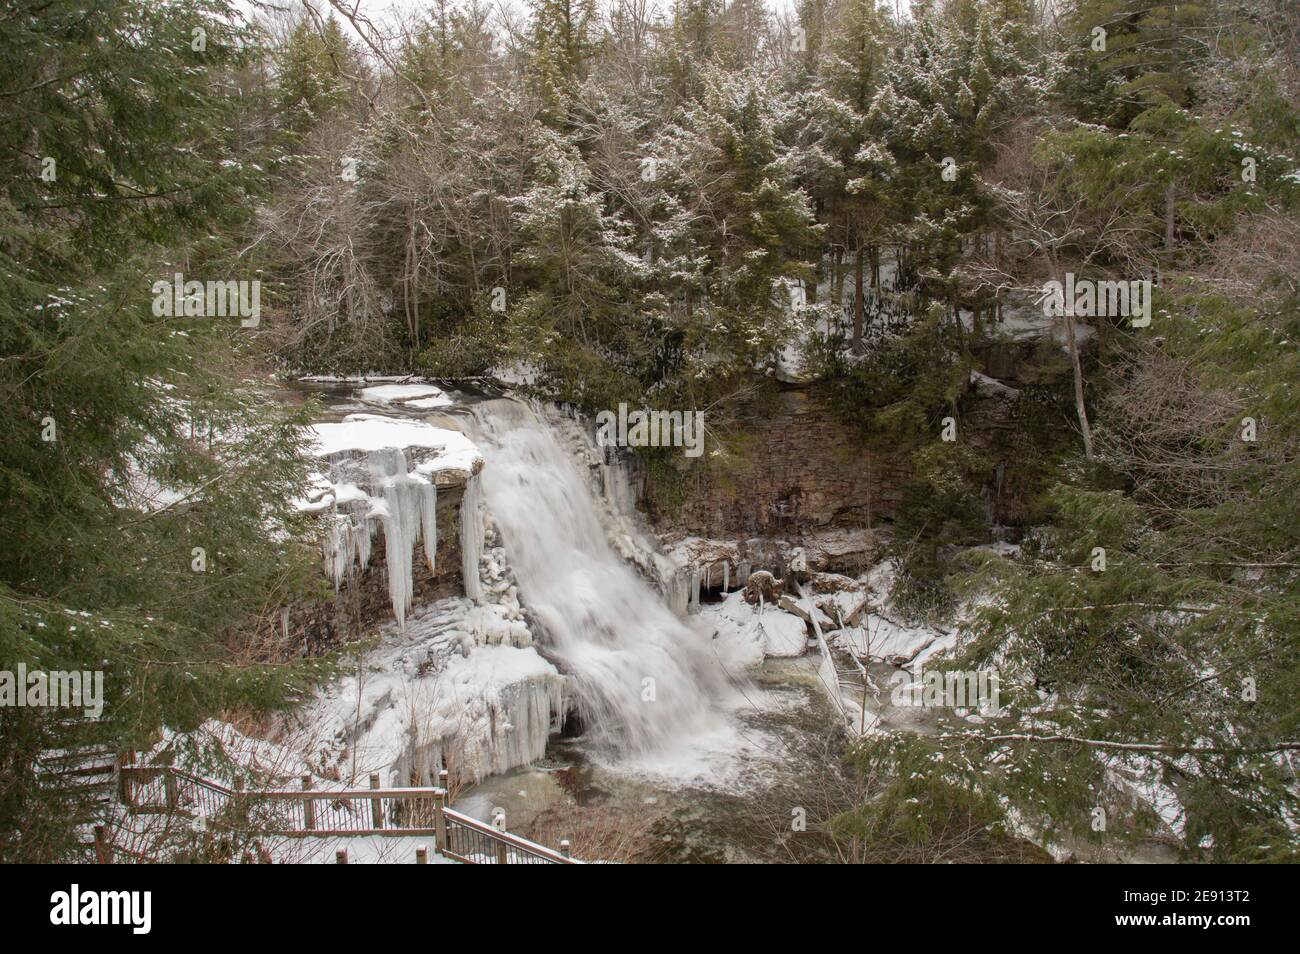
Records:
x=315, y=75
x=564, y=37
x=744, y=224
x=146, y=482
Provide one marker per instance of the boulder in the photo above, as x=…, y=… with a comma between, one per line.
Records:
x=792, y=607
x=856, y=614
x=765, y=584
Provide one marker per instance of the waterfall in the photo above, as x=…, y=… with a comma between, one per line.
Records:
x=642, y=679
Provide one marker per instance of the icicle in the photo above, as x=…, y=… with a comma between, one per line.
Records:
x=695, y=589
x=726, y=576
x=361, y=537
x=396, y=554
x=408, y=514
x=471, y=539
x=677, y=593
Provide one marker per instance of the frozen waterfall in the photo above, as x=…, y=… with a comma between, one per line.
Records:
x=376, y=488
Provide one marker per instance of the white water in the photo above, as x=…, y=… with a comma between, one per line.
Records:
x=645, y=683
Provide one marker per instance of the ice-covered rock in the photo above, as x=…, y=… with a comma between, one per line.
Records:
x=462, y=686
x=383, y=474
x=775, y=632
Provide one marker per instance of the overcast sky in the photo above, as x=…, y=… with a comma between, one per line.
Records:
x=378, y=9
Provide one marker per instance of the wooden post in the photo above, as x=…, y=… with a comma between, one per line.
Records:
x=308, y=806
x=102, y=855
x=564, y=847
x=341, y=856
x=421, y=855
x=503, y=849
x=439, y=816
x=169, y=789
x=124, y=760
x=376, y=804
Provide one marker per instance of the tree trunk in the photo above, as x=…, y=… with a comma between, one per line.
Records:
x=837, y=282
x=1169, y=217
x=857, y=299
x=1078, y=386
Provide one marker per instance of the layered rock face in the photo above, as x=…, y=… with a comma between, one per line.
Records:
x=801, y=471
x=799, y=468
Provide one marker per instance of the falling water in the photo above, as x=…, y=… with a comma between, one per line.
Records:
x=643, y=680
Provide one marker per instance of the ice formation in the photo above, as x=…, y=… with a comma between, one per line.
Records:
x=384, y=474
x=471, y=540
x=460, y=687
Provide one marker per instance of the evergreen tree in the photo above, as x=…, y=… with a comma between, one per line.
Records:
x=316, y=74
x=146, y=482
x=565, y=34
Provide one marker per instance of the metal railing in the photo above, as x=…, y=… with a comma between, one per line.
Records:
x=477, y=843
x=331, y=812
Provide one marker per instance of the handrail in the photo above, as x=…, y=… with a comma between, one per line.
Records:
x=391, y=811
x=310, y=794
x=517, y=841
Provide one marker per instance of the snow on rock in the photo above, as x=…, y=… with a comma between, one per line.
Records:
x=819, y=549
x=884, y=639
x=774, y=631
x=406, y=395
x=371, y=432
x=879, y=634
x=988, y=387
